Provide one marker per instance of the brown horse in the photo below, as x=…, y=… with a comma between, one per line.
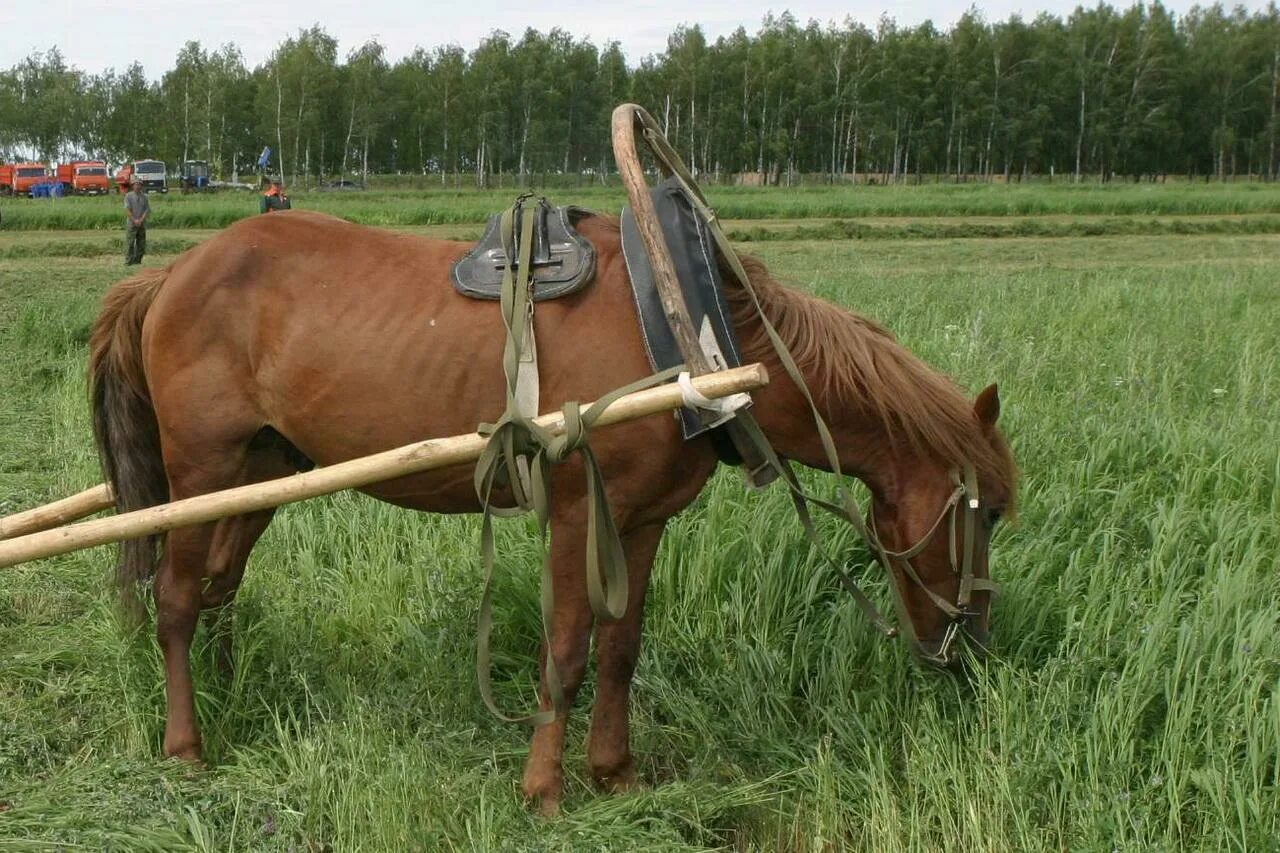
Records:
x=300, y=338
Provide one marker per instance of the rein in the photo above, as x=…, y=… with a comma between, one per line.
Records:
x=966, y=483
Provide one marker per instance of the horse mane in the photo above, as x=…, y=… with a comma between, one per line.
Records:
x=857, y=361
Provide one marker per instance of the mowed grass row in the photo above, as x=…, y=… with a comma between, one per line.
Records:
x=1132, y=702
x=54, y=245
x=452, y=206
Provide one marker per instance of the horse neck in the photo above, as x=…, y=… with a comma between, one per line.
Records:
x=859, y=422
x=863, y=446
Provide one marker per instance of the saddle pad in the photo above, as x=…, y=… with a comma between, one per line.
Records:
x=564, y=262
x=693, y=253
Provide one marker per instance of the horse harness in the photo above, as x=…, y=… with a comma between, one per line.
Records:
x=533, y=253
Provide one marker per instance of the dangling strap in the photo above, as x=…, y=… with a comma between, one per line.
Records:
x=848, y=509
x=519, y=455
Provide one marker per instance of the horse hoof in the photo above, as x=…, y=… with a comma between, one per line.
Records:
x=544, y=795
x=548, y=807
x=622, y=782
x=619, y=778
x=545, y=805
x=189, y=754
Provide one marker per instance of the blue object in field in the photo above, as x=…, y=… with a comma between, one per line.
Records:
x=265, y=159
x=53, y=189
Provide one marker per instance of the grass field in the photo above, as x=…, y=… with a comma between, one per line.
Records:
x=1132, y=703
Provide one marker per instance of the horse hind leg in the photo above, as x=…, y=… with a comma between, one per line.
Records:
x=203, y=565
x=233, y=541
x=270, y=456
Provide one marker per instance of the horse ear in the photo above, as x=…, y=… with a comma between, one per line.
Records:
x=987, y=407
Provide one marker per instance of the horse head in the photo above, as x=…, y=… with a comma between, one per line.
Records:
x=940, y=472
x=931, y=523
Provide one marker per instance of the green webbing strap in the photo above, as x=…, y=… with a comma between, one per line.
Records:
x=519, y=455
x=848, y=509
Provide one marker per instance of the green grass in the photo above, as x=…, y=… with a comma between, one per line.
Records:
x=447, y=207
x=1133, y=701
x=90, y=247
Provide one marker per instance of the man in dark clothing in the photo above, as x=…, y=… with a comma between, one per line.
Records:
x=137, y=208
x=274, y=198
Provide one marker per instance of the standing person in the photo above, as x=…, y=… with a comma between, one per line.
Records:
x=137, y=207
x=274, y=198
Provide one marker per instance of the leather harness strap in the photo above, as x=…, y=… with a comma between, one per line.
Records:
x=519, y=455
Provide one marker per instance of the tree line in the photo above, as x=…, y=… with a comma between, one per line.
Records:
x=1105, y=93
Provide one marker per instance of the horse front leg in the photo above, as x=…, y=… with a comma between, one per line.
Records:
x=617, y=650
x=570, y=634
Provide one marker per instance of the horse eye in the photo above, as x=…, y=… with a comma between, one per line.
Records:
x=993, y=516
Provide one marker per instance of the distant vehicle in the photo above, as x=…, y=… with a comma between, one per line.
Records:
x=84, y=177
x=150, y=172
x=194, y=177
x=19, y=178
x=49, y=188
x=341, y=185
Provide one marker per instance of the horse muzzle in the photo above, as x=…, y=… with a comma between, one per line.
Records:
x=948, y=651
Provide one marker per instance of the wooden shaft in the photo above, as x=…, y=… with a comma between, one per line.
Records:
x=410, y=459
x=626, y=119
x=57, y=513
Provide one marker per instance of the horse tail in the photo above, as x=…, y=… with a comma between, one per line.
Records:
x=124, y=423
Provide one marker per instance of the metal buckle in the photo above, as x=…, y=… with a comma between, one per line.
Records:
x=948, y=639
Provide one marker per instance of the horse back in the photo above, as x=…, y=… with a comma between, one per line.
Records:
x=350, y=340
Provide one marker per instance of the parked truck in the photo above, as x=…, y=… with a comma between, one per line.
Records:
x=194, y=176
x=150, y=172
x=19, y=178
x=84, y=177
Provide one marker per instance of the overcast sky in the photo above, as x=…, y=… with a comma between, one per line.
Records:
x=95, y=35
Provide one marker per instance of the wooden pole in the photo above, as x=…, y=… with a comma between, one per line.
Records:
x=57, y=513
x=410, y=459
x=626, y=120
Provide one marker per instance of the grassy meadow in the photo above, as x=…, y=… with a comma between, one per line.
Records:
x=1132, y=701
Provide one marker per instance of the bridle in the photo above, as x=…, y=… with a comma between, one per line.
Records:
x=960, y=509
x=965, y=501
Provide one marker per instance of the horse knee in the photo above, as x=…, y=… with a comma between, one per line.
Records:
x=617, y=665
x=570, y=654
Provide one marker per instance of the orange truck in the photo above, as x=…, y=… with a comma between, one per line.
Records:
x=84, y=177
x=150, y=172
x=19, y=178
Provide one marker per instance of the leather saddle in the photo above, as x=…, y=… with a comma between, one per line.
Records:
x=563, y=261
